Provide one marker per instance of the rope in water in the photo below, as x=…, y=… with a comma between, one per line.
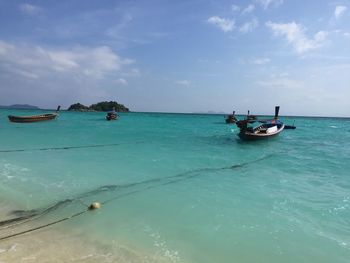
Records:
x=26, y=216
x=35, y=214
x=66, y=147
x=43, y=226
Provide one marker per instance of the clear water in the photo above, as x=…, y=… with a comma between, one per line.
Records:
x=217, y=199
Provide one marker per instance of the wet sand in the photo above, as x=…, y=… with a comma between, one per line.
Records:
x=60, y=243
x=51, y=245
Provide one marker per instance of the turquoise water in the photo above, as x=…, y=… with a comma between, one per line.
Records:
x=214, y=197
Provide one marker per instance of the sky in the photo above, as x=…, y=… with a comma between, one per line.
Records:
x=178, y=56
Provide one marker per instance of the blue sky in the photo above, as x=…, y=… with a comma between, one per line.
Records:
x=178, y=56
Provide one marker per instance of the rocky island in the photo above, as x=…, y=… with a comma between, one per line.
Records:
x=100, y=106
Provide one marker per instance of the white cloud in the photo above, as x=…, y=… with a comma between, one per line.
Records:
x=339, y=32
x=299, y=88
x=30, y=9
x=183, y=82
x=339, y=11
x=250, y=8
x=261, y=61
x=283, y=83
x=122, y=81
x=235, y=8
x=134, y=72
x=249, y=26
x=224, y=24
x=266, y=3
x=295, y=35
x=50, y=76
x=5, y=48
x=115, y=30
x=93, y=62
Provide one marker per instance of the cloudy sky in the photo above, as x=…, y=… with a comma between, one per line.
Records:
x=178, y=56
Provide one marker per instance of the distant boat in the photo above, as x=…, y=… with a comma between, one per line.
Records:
x=112, y=115
x=231, y=118
x=251, y=117
x=267, y=128
x=35, y=118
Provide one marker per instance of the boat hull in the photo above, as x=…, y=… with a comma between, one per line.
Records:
x=34, y=118
x=251, y=136
x=111, y=117
x=229, y=121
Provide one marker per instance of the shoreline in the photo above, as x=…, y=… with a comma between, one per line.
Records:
x=64, y=244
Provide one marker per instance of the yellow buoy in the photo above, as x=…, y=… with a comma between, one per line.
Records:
x=95, y=205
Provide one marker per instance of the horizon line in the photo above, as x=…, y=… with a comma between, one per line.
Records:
x=192, y=113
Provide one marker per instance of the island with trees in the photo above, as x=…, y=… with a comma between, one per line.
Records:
x=100, y=106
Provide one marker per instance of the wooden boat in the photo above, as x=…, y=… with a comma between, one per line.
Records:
x=231, y=118
x=34, y=118
x=112, y=115
x=266, y=128
x=250, y=117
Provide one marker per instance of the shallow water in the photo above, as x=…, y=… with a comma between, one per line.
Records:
x=183, y=188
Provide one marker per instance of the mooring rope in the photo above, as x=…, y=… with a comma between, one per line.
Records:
x=67, y=147
x=43, y=226
x=25, y=216
x=30, y=215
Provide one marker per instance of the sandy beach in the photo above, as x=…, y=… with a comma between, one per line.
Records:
x=57, y=245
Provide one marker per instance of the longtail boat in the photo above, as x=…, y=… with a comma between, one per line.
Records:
x=266, y=128
x=35, y=118
x=112, y=115
x=231, y=118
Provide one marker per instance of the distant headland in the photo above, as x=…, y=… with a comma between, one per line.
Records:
x=100, y=106
x=20, y=106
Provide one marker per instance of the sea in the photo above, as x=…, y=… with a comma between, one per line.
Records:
x=172, y=188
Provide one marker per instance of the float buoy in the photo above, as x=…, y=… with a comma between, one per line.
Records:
x=94, y=205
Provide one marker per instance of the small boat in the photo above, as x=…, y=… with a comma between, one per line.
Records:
x=266, y=128
x=231, y=118
x=34, y=118
x=112, y=115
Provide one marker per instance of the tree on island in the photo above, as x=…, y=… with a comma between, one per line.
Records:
x=78, y=107
x=100, y=106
